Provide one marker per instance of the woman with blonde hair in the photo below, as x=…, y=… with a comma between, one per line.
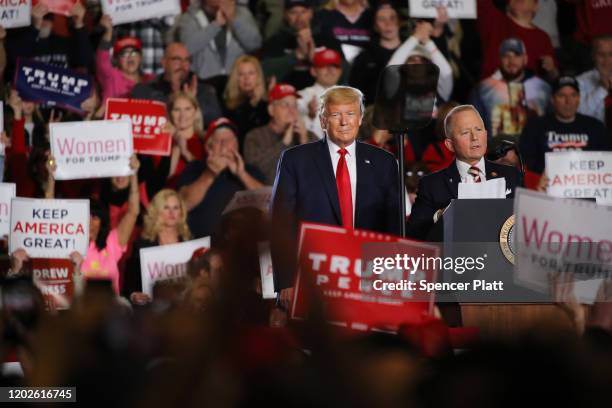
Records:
x=165, y=223
x=188, y=127
x=244, y=96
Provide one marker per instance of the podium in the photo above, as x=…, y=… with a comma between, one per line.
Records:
x=484, y=228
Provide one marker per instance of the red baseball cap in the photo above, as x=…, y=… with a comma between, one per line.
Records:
x=127, y=42
x=279, y=91
x=325, y=57
x=217, y=124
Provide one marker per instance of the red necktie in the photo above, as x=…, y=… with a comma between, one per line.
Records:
x=345, y=195
x=474, y=172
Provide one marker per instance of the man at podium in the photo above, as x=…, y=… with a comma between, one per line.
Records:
x=466, y=136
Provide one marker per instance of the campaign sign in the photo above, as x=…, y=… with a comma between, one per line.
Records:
x=148, y=119
x=53, y=277
x=335, y=269
x=39, y=82
x=577, y=174
x=167, y=262
x=93, y=149
x=557, y=235
x=15, y=13
x=129, y=11
x=7, y=192
x=455, y=8
x=57, y=6
x=259, y=198
x=47, y=228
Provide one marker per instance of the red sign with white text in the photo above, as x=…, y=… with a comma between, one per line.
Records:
x=53, y=277
x=335, y=266
x=57, y=6
x=148, y=119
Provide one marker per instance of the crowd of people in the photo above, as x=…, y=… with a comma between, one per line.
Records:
x=244, y=82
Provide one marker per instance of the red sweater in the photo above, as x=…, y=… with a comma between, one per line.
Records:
x=494, y=27
x=593, y=18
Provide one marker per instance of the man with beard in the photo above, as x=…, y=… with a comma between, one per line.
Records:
x=512, y=94
x=177, y=76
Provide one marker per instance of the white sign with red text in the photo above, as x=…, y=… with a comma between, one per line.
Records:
x=7, y=192
x=91, y=149
x=556, y=235
x=577, y=174
x=454, y=8
x=167, y=262
x=129, y=11
x=47, y=228
x=15, y=13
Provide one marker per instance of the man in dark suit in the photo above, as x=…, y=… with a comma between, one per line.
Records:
x=336, y=181
x=466, y=136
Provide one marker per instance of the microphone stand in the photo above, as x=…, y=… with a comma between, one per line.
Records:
x=400, y=137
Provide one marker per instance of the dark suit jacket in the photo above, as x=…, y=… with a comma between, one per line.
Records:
x=436, y=190
x=305, y=191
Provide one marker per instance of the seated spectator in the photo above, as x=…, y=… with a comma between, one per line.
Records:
x=419, y=49
x=178, y=77
x=512, y=94
x=127, y=53
x=40, y=43
x=165, y=223
x=495, y=26
x=369, y=64
x=151, y=33
x=596, y=84
x=564, y=129
x=186, y=117
x=207, y=187
x=264, y=145
x=348, y=21
x=326, y=70
x=244, y=96
x=106, y=244
x=288, y=53
x=216, y=32
x=28, y=119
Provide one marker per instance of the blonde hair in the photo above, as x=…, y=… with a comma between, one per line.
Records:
x=152, y=225
x=199, y=119
x=332, y=4
x=340, y=95
x=232, y=95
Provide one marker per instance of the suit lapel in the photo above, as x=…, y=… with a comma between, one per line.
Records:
x=452, y=179
x=362, y=176
x=326, y=172
x=491, y=174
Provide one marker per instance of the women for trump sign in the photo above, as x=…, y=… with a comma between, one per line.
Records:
x=49, y=228
x=91, y=149
x=167, y=262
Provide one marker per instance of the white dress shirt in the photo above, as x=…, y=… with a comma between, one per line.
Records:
x=466, y=177
x=592, y=95
x=351, y=163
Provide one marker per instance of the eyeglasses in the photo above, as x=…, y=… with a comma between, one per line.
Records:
x=128, y=53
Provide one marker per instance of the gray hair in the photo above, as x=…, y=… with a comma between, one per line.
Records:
x=448, y=120
x=341, y=94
